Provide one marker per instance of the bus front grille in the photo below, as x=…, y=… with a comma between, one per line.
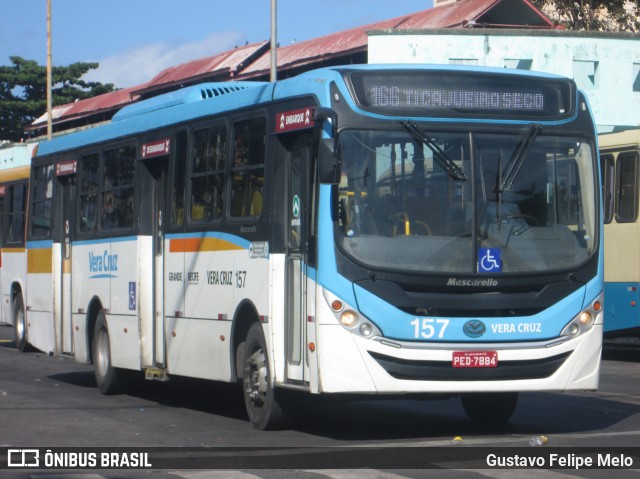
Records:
x=443, y=370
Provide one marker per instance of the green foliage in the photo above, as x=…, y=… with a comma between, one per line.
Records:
x=23, y=92
x=595, y=15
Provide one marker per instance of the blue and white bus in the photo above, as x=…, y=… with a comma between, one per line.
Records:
x=374, y=230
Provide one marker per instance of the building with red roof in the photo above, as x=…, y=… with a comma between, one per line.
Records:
x=252, y=61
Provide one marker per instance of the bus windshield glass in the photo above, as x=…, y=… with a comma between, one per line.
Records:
x=464, y=202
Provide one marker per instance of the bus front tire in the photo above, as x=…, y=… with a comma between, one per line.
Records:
x=107, y=378
x=490, y=407
x=261, y=399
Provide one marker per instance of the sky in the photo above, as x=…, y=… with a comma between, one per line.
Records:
x=133, y=40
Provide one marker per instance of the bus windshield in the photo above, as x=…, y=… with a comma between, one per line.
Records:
x=466, y=203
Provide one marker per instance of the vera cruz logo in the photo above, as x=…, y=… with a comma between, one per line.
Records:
x=474, y=328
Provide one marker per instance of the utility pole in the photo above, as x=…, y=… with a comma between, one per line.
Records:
x=49, y=80
x=274, y=40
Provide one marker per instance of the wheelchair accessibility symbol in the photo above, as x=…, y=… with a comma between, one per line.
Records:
x=489, y=260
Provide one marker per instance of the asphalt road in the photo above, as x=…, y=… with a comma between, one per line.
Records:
x=51, y=402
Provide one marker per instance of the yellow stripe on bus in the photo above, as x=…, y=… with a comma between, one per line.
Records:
x=13, y=174
x=14, y=250
x=197, y=245
x=39, y=261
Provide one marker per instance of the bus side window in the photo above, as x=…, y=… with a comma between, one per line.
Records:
x=42, y=201
x=608, y=177
x=89, y=193
x=118, y=188
x=627, y=188
x=15, y=217
x=247, y=170
x=177, y=203
x=207, y=173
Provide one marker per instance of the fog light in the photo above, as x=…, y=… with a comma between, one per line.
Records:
x=349, y=319
x=573, y=328
x=366, y=330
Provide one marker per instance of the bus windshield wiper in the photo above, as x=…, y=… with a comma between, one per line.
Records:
x=517, y=160
x=439, y=155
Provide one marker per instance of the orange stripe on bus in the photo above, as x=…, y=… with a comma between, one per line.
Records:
x=39, y=260
x=197, y=245
x=13, y=250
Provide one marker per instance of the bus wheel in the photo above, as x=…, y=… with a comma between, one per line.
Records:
x=20, y=324
x=260, y=398
x=490, y=407
x=106, y=375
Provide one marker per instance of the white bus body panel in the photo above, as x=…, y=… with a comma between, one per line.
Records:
x=211, y=276
x=104, y=270
x=13, y=271
x=346, y=366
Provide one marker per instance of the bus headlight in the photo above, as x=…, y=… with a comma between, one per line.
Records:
x=349, y=318
x=585, y=320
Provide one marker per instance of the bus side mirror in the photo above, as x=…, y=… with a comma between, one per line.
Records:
x=329, y=171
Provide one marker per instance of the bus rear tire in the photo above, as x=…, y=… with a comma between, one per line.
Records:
x=261, y=399
x=107, y=377
x=20, y=325
x=490, y=407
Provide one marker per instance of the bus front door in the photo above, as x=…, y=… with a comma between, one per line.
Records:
x=64, y=325
x=297, y=294
x=159, y=170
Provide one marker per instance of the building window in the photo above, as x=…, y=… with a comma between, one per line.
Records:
x=518, y=64
x=585, y=73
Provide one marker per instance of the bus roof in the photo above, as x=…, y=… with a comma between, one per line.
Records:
x=620, y=139
x=206, y=99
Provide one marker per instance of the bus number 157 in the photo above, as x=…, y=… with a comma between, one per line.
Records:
x=427, y=328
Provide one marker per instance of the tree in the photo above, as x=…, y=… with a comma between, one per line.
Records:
x=23, y=92
x=598, y=15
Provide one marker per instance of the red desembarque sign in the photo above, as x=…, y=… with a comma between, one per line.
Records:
x=65, y=168
x=156, y=148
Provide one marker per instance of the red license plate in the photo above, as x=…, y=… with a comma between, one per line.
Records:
x=474, y=359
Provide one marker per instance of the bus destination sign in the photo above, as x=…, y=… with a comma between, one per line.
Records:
x=472, y=94
x=292, y=120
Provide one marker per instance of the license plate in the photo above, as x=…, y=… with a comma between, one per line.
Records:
x=474, y=359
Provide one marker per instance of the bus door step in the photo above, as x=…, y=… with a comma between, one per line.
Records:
x=156, y=374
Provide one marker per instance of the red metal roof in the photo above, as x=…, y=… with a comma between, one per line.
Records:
x=90, y=106
x=226, y=64
x=253, y=60
x=453, y=15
